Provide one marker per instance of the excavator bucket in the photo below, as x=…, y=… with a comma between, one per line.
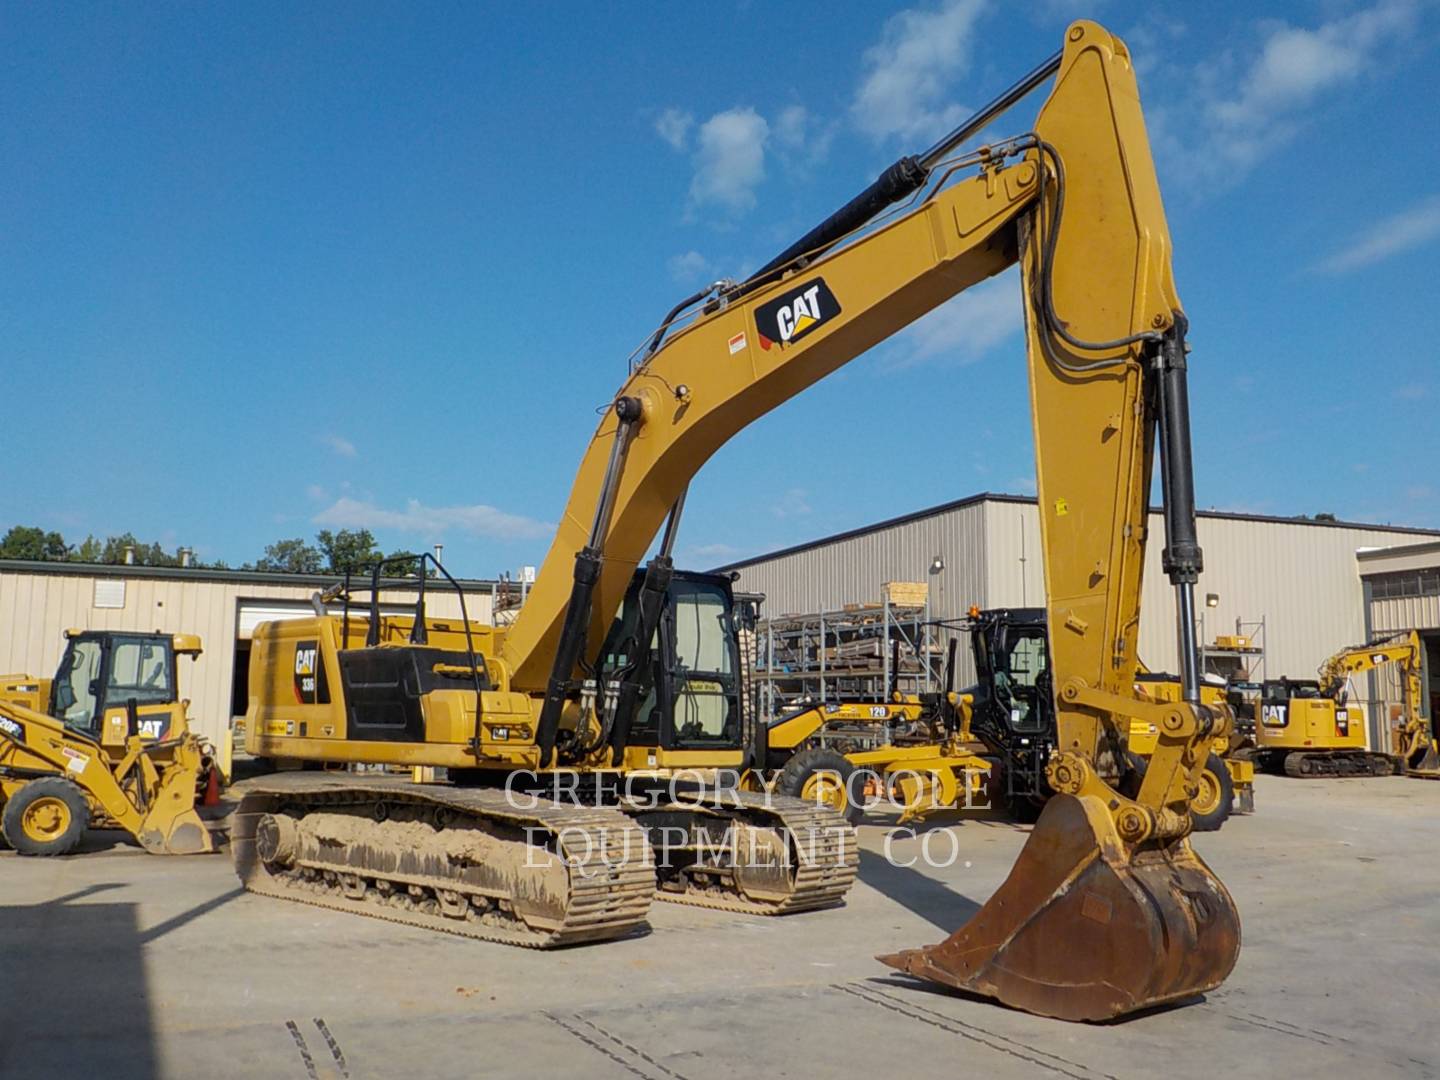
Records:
x=1087, y=927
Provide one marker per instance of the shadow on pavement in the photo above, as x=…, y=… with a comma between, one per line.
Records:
x=74, y=996
x=932, y=900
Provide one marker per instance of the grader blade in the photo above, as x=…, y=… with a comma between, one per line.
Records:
x=1089, y=928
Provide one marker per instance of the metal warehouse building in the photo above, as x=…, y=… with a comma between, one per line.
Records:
x=40, y=600
x=1305, y=587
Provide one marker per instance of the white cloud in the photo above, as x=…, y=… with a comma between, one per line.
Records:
x=790, y=126
x=794, y=503
x=689, y=267
x=340, y=445
x=316, y=493
x=963, y=329
x=673, y=125
x=802, y=139
x=478, y=520
x=1251, y=104
x=729, y=159
x=1413, y=392
x=907, y=76
x=1412, y=228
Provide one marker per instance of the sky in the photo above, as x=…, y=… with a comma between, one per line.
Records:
x=274, y=268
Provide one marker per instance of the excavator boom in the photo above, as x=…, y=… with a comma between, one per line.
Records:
x=1109, y=910
x=1416, y=744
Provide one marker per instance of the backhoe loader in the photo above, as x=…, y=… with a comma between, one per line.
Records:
x=1308, y=728
x=1108, y=909
x=114, y=749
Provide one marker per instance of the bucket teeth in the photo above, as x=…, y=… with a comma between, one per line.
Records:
x=1088, y=928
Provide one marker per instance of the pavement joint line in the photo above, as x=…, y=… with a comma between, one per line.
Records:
x=605, y=1050
x=633, y=1049
x=954, y=1028
x=304, y=1050
x=869, y=985
x=334, y=1047
x=1284, y=1027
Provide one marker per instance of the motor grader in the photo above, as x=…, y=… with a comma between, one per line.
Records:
x=104, y=743
x=1108, y=909
x=985, y=745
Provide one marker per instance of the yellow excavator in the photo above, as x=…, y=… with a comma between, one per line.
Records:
x=1307, y=727
x=105, y=743
x=1108, y=909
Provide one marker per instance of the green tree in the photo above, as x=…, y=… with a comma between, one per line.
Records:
x=89, y=550
x=408, y=565
x=151, y=554
x=350, y=548
x=30, y=542
x=290, y=557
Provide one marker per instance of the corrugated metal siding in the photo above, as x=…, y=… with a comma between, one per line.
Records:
x=1405, y=613
x=1302, y=578
x=852, y=571
x=36, y=609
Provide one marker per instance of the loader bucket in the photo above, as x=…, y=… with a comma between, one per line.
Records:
x=165, y=832
x=1087, y=927
x=171, y=826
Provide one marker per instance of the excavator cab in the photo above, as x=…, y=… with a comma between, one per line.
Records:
x=689, y=680
x=1013, y=711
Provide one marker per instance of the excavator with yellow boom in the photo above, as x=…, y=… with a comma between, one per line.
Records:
x=1307, y=727
x=1108, y=909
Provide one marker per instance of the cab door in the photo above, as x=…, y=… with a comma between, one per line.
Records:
x=699, y=676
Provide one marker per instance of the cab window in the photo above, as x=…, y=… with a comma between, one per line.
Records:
x=139, y=671
x=705, y=665
x=78, y=683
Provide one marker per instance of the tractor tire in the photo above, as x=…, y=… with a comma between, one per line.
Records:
x=822, y=775
x=1217, y=794
x=45, y=817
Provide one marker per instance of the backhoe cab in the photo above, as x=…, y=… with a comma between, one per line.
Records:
x=110, y=682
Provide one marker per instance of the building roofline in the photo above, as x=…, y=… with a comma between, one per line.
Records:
x=201, y=573
x=1000, y=497
x=1426, y=547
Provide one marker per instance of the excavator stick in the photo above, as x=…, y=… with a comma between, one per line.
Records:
x=1108, y=909
x=1087, y=927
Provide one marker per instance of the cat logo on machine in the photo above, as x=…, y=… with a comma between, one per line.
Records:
x=786, y=319
x=1342, y=722
x=307, y=661
x=1274, y=715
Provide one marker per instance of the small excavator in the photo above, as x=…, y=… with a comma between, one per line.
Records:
x=1108, y=909
x=1307, y=727
x=106, y=742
